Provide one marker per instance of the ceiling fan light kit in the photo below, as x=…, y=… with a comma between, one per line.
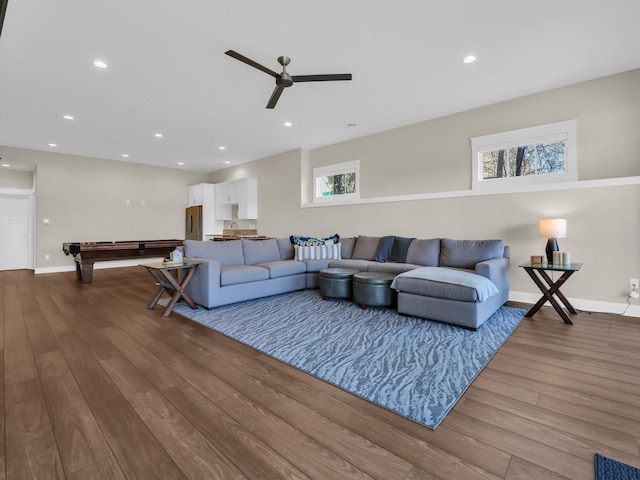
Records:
x=284, y=80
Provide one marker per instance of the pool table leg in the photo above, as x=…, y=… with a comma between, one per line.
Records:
x=84, y=271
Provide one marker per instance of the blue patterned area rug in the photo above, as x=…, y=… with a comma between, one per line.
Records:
x=608, y=469
x=413, y=367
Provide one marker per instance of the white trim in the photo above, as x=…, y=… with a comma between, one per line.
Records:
x=605, y=182
x=525, y=136
x=581, y=304
x=336, y=169
x=134, y=262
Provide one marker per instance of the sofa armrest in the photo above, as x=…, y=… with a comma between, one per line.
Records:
x=496, y=270
x=205, y=282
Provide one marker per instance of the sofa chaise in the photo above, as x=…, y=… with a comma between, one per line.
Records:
x=238, y=270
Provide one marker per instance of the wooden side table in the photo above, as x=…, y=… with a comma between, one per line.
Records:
x=172, y=279
x=549, y=288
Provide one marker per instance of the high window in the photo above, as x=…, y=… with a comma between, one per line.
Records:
x=536, y=155
x=337, y=183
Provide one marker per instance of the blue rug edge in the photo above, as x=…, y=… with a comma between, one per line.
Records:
x=609, y=469
x=476, y=376
x=430, y=427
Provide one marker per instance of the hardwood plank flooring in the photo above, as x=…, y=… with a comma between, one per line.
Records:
x=95, y=386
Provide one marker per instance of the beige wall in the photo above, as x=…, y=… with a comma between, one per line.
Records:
x=13, y=179
x=85, y=200
x=434, y=156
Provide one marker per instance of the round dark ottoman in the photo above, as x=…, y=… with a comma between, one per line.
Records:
x=372, y=289
x=336, y=282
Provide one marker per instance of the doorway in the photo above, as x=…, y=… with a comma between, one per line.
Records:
x=16, y=244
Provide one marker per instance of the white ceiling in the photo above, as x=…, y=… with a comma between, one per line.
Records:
x=168, y=72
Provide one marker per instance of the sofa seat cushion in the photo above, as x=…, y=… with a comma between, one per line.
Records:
x=314, y=266
x=360, y=265
x=395, y=268
x=242, y=274
x=428, y=288
x=283, y=268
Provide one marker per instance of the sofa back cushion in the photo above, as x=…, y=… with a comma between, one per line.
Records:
x=466, y=253
x=348, y=245
x=286, y=248
x=260, y=251
x=366, y=248
x=425, y=252
x=228, y=253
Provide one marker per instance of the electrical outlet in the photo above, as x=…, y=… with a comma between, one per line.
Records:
x=633, y=283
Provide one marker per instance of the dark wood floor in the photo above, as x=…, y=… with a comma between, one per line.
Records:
x=97, y=387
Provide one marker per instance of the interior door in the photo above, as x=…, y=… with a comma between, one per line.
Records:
x=14, y=233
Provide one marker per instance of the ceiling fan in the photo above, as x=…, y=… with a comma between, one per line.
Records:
x=284, y=80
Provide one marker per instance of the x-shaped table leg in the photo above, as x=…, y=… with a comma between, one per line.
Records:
x=549, y=290
x=169, y=283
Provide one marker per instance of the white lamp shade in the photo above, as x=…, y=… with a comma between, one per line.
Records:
x=553, y=227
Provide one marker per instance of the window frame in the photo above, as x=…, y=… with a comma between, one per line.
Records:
x=337, y=169
x=551, y=132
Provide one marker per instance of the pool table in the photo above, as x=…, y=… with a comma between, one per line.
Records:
x=87, y=253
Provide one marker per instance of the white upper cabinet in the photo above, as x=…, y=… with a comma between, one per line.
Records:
x=196, y=194
x=243, y=192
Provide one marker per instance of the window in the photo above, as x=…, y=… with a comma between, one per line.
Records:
x=337, y=183
x=535, y=155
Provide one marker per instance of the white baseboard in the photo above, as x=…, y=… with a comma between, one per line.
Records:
x=100, y=265
x=581, y=304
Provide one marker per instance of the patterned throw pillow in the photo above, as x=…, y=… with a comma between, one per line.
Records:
x=311, y=241
x=318, y=252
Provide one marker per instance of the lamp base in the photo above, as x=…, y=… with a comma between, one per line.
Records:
x=552, y=246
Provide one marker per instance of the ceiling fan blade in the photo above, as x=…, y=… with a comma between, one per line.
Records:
x=321, y=78
x=250, y=62
x=275, y=96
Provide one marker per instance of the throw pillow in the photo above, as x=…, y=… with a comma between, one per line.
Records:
x=311, y=241
x=318, y=252
x=366, y=248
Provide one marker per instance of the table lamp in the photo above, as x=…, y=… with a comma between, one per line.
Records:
x=552, y=228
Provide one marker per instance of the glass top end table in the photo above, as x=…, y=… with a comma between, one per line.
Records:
x=550, y=289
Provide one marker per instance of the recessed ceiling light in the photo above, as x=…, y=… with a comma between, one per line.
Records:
x=158, y=135
x=69, y=117
x=180, y=163
x=288, y=124
x=125, y=155
x=469, y=59
x=100, y=64
x=6, y=165
x=227, y=162
x=222, y=148
x=53, y=144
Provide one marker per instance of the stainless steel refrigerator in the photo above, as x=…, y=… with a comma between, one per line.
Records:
x=193, y=227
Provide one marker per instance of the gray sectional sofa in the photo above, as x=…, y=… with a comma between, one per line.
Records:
x=238, y=270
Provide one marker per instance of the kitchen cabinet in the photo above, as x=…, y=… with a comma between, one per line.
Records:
x=222, y=209
x=243, y=193
x=196, y=194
